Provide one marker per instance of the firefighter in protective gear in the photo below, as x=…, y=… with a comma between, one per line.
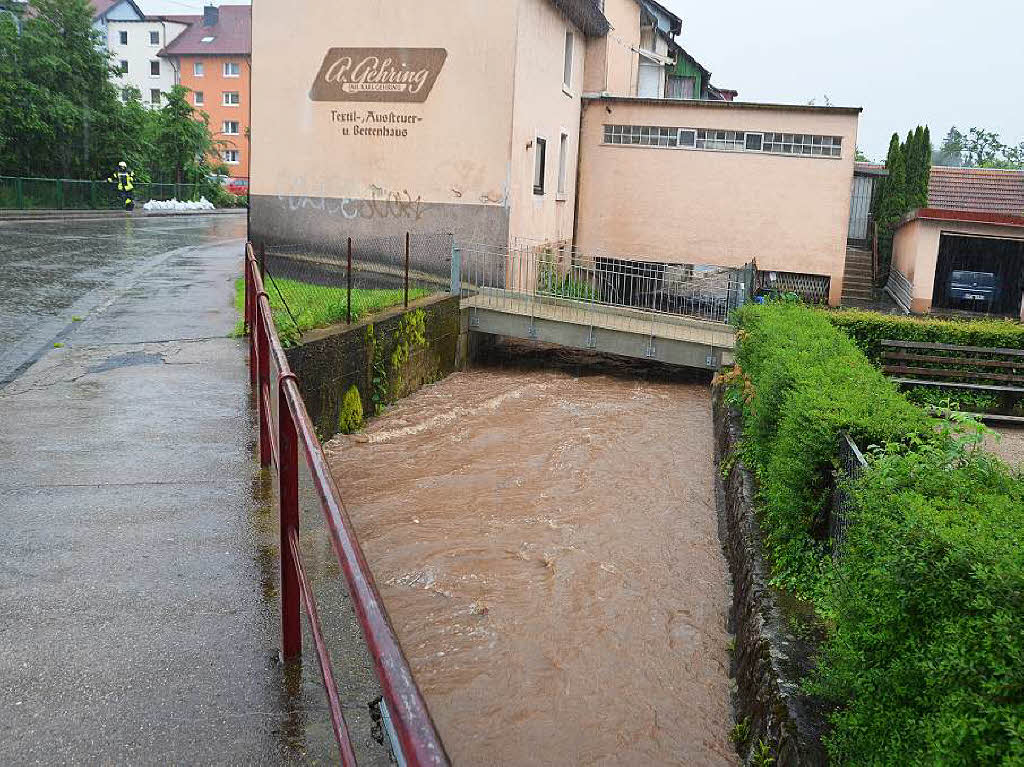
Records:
x=125, y=181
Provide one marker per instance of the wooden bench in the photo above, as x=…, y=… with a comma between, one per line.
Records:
x=971, y=368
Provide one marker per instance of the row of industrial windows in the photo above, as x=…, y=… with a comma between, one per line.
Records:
x=725, y=140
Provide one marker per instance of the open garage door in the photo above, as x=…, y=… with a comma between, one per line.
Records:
x=979, y=274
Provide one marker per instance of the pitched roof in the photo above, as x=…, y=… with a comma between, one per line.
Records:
x=101, y=8
x=979, y=190
x=231, y=34
x=585, y=14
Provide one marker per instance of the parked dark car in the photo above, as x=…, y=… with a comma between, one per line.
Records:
x=973, y=286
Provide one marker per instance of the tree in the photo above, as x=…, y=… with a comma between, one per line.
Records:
x=982, y=148
x=917, y=155
x=859, y=156
x=951, y=152
x=892, y=201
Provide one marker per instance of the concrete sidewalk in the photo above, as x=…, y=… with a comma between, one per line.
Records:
x=138, y=565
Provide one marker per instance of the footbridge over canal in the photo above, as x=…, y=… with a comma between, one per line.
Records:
x=676, y=314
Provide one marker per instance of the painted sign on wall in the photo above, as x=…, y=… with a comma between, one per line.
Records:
x=378, y=74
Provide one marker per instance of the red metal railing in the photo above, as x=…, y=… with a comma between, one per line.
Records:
x=415, y=732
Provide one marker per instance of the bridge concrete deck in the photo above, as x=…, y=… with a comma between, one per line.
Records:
x=672, y=339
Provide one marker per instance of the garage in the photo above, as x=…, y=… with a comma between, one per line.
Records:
x=979, y=274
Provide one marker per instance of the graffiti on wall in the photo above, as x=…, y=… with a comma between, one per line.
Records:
x=380, y=203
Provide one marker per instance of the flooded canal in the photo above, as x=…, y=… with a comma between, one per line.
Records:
x=546, y=544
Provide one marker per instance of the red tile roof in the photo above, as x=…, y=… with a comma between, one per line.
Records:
x=231, y=35
x=978, y=190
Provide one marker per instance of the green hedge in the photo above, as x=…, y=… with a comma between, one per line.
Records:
x=869, y=329
x=808, y=383
x=926, y=657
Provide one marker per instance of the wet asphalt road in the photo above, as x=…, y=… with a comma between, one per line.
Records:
x=138, y=564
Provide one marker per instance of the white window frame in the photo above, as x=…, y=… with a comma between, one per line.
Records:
x=198, y=69
x=224, y=156
x=154, y=32
x=540, y=165
x=151, y=63
x=198, y=99
x=225, y=102
x=236, y=65
x=122, y=37
x=123, y=67
x=567, y=64
x=224, y=127
x=561, y=192
x=159, y=96
x=746, y=139
x=693, y=138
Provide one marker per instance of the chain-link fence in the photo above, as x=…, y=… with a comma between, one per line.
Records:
x=18, y=193
x=346, y=278
x=851, y=464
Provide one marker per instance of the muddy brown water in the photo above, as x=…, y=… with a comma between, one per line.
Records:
x=546, y=545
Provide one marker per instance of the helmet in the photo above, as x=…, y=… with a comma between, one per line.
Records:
x=122, y=164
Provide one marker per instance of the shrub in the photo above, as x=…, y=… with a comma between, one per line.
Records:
x=927, y=651
x=869, y=329
x=350, y=418
x=808, y=382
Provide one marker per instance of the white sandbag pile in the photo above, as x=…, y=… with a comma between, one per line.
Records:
x=201, y=204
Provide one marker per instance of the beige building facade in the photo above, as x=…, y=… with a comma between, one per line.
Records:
x=465, y=118
x=718, y=182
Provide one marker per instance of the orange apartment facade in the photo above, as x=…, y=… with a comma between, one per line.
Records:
x=212, y=59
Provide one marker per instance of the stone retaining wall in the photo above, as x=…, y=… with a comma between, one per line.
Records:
x=386, y=356
x=768, y=660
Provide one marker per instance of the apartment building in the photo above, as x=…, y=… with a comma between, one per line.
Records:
x=134, y=42
x=212, y=59
x=466, y=117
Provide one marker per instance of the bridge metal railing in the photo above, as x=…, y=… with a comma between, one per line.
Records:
x=415, y=737
x=560, y=274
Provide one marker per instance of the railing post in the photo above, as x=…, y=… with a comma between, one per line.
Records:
x=456, y=289
x=405, y=301
x=263, y=379
x=348, y=289
x=291, y=629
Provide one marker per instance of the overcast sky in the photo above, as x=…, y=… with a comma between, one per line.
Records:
x=935, y=62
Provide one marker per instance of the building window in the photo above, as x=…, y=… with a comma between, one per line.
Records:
x=230, y=99
x=154, y=38
x=725, y=140
x=680, y=87
x=154, y=96
x=643, y=135
x=563, y=162
x=539, y=160
x=648, y=83
x=197, y=69
x=124, y=66
x=567, y=64
x=230, y=156
x=154, y=68
x=122, y=37
x=231, y=69
x=230, y=128
x=197, y=98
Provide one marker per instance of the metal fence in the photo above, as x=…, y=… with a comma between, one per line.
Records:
x=287, y=440
x=560, y=273
x=345, y=278
x=851, y=464
x=18, y=193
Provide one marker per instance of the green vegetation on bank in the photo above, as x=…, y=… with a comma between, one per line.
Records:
x=923, y=608
x=317, y=306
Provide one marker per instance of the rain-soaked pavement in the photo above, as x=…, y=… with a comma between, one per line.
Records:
x=138, y=602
